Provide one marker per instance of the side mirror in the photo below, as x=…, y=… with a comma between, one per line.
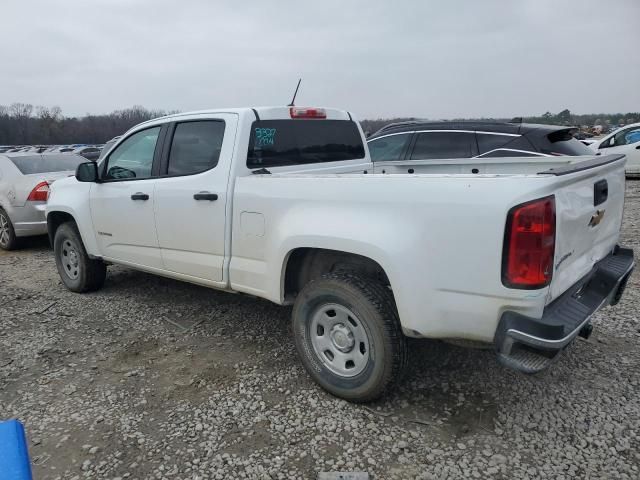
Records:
x=87, y=172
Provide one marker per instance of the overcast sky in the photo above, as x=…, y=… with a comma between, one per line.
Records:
x=433, y=59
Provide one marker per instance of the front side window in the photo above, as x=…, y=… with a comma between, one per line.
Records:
x=434, y=145
x=388, y=148
x=627, y=137
x=277, y=143
x=133, y=158
x=195, y=147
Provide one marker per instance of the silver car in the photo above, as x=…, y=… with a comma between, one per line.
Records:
x=24, y=189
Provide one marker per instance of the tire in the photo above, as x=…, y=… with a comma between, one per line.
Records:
x=8, y=239
x=78, y=272
x=348, y=336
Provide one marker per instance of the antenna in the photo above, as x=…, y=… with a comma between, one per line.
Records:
x=295, y=94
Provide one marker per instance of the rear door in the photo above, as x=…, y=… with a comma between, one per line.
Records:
x=191, y=195
x=588, y=219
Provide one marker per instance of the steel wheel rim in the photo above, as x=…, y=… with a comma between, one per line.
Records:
x=4, y=230
x=339, y=340
x=69, y=260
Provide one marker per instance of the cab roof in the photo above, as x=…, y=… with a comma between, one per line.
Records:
x=494, y=127
x=261, y=113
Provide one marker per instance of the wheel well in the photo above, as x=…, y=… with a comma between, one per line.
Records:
x=54, y=220
x=306, y=264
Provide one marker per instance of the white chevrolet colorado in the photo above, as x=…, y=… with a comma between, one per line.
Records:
x=285, y=204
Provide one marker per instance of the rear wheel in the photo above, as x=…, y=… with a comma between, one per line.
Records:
x=77, y=271
x=348, y=335
x=8, y=239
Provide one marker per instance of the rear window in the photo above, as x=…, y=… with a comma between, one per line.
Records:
x=276, y=143
x=562, y=142
x=30, y=164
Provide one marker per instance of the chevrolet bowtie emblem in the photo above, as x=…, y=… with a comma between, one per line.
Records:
x=596, y=218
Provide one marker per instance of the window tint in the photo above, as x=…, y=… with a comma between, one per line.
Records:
x=432, y=145
x=388, y=148
x=561, y=142
x=195, y=147
x=276, y=143
x=47, y=163
x=106, y=148
x=133, y=158
x=487, y=142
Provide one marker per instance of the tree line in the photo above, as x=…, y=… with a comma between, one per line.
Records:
x=24, y=124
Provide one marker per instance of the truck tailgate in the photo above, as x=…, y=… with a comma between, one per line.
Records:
x=589, y=205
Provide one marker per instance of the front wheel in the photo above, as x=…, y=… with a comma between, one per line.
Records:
x=77, y=271
x=348, y=335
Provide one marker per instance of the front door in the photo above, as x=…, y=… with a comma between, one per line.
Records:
x=191, y=196
x=122, y=204
x=627, y=142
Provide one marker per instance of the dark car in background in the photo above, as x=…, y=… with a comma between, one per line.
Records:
x=418, y=140
x=88, y=152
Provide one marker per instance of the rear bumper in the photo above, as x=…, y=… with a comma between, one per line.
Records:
x=29, y=220
x=529, y=344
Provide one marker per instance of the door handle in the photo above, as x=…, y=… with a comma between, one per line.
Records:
x=638, y=147
x=139, y=196
x=206, y=196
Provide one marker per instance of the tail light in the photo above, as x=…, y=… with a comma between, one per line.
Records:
x=306, y=112
x=40, y=193
x=529, y=244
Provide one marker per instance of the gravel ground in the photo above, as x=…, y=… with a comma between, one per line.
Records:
x=152, y=378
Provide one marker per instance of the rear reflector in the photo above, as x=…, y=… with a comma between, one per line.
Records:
x=40, y=193
x=306, y=112
x=529, y=244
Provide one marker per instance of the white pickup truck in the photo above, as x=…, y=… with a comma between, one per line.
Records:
x=285, y=204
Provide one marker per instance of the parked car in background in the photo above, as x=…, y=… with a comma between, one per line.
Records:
x=90, y=153
x=24, y=189
x=624, y=140
x=441, y=140
x=107, y=146
x=285, y=204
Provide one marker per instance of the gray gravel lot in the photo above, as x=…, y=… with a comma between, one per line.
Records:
x=152, y=378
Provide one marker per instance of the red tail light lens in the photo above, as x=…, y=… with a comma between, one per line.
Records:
x=40, y=193
x=305, y=112
x=529, y=244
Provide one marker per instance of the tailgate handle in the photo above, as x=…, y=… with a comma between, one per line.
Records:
x=600, y=192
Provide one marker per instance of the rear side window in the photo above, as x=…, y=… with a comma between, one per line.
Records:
x=47, y=163
x=488, y=142
x=276, y=143
x=195, y=147
x=388, y=148
x=433, y=145
x=562, y=142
